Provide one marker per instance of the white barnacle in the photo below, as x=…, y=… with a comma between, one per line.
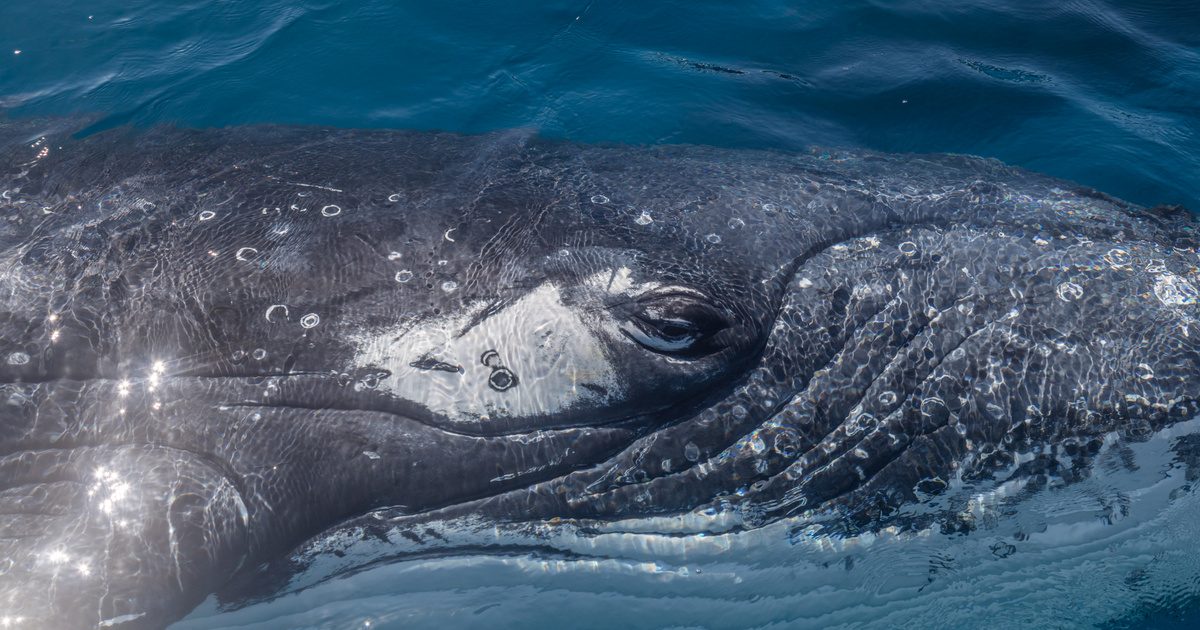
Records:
x=207, y=215
x=246, y=253
x=644, y=218
x=1069, y=291
x=331, y=210
x=310, y=320
x=274, y=307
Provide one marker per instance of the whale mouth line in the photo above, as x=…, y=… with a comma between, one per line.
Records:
x=330, y=391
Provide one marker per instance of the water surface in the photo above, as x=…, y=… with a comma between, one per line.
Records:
x=1105, y=93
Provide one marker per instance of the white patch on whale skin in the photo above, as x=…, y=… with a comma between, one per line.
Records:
x=555, y=352
x=618, y=281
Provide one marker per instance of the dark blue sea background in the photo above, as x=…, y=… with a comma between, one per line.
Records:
x=1103, y=93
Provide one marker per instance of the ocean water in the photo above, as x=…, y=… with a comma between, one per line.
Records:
x=1103, y=93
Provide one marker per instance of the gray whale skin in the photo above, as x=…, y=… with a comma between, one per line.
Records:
x=217, y=344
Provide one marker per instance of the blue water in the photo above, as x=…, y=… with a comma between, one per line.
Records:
x=1107, y=94
x=1104, y=93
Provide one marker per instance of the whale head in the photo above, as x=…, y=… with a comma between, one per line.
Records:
x=217, y=344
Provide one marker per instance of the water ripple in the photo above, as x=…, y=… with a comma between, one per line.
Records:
x=1102, y=92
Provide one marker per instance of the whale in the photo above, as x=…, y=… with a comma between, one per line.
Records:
x=216, y=344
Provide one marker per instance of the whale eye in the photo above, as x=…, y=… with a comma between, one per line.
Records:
x=676, y=324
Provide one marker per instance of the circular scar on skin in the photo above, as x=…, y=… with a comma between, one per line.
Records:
x=491, y=359
x=501, y=378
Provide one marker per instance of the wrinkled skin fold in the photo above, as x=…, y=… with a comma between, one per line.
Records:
x=216, y=344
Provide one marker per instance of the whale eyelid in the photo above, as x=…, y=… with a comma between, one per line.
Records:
x=677, y=323
x=652, y=295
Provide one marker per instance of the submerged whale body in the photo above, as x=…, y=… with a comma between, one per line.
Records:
x=217, y=344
